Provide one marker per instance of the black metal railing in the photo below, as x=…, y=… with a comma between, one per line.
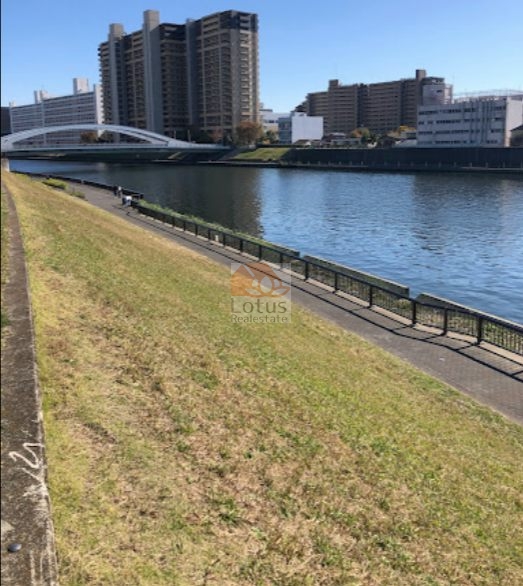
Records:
x=477, y=326
x=480, y=327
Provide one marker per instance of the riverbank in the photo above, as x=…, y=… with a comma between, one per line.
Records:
x=377, y=168
x=202, y=449
x=451, y=159
x=452, y=235
x=475, y=160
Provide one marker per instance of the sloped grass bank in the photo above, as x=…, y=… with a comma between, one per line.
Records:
x=185, y=449
x=263, y=154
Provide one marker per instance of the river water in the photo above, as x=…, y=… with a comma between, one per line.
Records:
x=457, y=236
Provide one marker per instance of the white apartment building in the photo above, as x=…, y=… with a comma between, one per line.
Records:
x=479, y=121
x=298, y=126
x=84, y=106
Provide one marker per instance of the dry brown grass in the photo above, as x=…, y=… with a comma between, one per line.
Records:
x=185, y=449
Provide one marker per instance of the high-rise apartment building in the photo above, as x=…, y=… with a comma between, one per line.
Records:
x=84, y=106
x=380, y=107
x=171, y=78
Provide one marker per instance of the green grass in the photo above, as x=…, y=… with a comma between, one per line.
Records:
x=185, y=449
x=56, y=183
x=263, y=154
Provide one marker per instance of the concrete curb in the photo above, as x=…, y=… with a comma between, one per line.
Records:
x=26, y=509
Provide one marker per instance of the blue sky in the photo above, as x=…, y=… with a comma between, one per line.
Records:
x=474, y=44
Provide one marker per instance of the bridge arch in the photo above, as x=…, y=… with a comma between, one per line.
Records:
x=9, y=141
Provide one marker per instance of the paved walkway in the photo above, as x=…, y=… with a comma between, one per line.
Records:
x=28, y=553
x=488, y=377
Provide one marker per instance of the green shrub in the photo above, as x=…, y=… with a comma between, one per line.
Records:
x=57, y=184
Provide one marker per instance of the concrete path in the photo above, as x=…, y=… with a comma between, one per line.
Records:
x=28, y=553
x=491, y=378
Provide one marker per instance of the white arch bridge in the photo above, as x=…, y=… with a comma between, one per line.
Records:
x=153, y=139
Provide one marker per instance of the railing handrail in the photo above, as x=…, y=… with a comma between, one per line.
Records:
x=482, y=320
x=373, y=288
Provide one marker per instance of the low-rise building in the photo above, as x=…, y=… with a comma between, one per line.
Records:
x=269, y=119
x=300, y=127
x=84, y=106
x=516, y=136
x=483, y=120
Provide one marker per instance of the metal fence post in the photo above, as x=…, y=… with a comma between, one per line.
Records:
x=371, y=295
x=335, y=282
x=480, y=329
x=445, y=321
x=414, y=312
x=306, y=270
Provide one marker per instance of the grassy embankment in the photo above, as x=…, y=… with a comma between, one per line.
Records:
x=262, y=154
x=184, y=449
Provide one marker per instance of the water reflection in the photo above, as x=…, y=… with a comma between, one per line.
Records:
x=457, y=236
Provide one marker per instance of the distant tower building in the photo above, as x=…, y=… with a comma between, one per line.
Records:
x=380, y=107
x=172, y=78
x=84, y=106
x=385, y=106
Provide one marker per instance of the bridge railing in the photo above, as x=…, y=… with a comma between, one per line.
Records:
x=474, y=325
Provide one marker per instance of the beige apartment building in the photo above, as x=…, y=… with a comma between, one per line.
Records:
x=179, y=79
x=380, y=107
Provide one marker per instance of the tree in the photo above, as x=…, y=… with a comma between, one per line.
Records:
x=217, y=135
x=361, y=132
x=88, y=137
x=248, y=132
x=402, y=130
x=270, y=137
x=106, y=137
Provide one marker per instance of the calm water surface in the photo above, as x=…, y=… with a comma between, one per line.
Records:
x=453, y=235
